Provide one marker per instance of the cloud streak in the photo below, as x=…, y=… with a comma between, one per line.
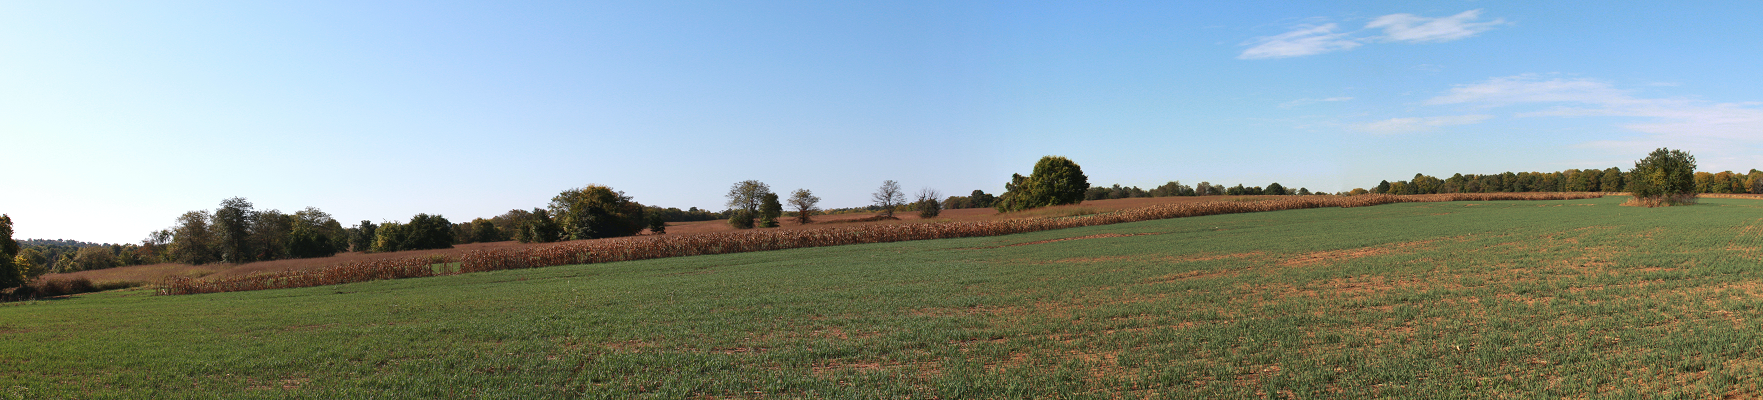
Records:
x=1395, y=126
x=1726, y=131
x=1301, y=42
x=1417, y=29
x=1304, y=102
x=1318, y=39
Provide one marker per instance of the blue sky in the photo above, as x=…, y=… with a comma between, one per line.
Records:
x=117, y=117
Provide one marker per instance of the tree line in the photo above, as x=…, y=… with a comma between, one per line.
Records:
x=1612, y=179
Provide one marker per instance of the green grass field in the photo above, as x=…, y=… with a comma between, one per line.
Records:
x=1509, y=299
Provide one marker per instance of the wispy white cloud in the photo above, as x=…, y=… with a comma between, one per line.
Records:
x=1317, y=39
x=1531, y=89
x=1394, y=126
x=1730, y=131
x=1417, y=29
x=1301, y=102
x=1302, y=42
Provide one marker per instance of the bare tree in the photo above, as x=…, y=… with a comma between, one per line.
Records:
x=928, y=207
x=805, y=204
x=888, y=196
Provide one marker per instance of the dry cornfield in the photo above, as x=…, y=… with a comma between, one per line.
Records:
x=649, y=247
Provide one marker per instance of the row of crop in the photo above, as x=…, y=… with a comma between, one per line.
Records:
x=649, y=247
x=360, y=271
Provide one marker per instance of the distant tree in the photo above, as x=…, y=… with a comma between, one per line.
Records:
x=741, y=219
x=390, y=237
x=888, y=197
x=193, y=241
x=1665, y=175
x=484, y=231
x=1098, y=193
x=313, y=235
x=1304, y=191
x=657, y=224
x=746, y=196
x=12, y=274
x=596, y=212
x=1398, y=188
x=91, y=258
x=1237, y=190
x=674, y=214
x=1055, y=181
x=232, y=230
x=1576, y=181
x=511, y=222
x=1754, y=182
x=1425, y=184
x=1612, y=181
x=1382, y=187
x=927, y=204
x=421, y=233
x=1358, y=191
x=538, y=227
x=979, y=199
x=769, y=210
x=270, y=232
x=1173, y=188
x=805, y=204
x=361, y=236
x=1275, y=189
x=30, y=264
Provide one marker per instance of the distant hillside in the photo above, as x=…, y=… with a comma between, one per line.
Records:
x=58, y=242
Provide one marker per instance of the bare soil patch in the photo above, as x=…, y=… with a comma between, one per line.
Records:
x=1097, y=236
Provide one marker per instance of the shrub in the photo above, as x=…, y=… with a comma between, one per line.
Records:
x=769, y=210
x=1666, y=177
x=742, y=219
x=422, y=232
x=1055, y=181
x=657, y=224
x=596, y=212
x=928, y=206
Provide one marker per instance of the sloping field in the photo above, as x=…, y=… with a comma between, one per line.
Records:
x=157, y=273
x=1519, y=299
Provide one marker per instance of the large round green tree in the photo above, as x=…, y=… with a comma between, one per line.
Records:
x=1055, y=181
x=595, y=212
x=1666, y=176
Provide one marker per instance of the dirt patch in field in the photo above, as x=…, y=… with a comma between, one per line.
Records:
x=630, y=345
x=1210, y=257
x=1329, y=257
x=1182, y=276
x=836, y=332
x=1091, y=260
x=1096, y=236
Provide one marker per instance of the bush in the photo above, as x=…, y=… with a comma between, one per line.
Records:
x=60, y=287
x=1666, y=177
x=595, y=212
x=421, y=233
x=657, y=224
x=1055, y=181
x=769, y=210
x=742, y=219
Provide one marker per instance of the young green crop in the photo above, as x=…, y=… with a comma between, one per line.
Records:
x=1570, y=298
